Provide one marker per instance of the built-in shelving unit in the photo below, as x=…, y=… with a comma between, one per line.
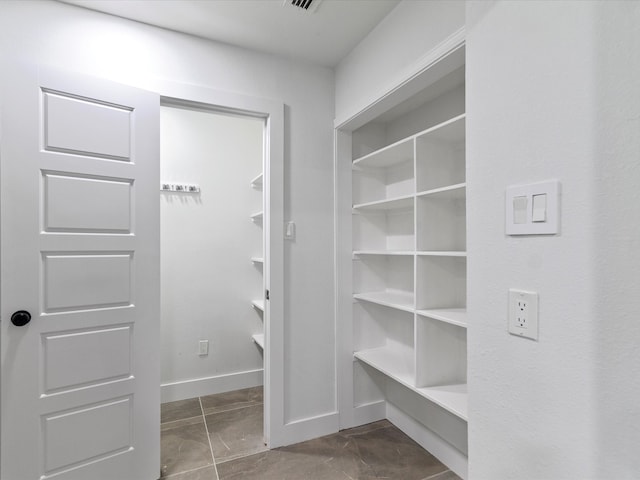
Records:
x=426, y=215
x=408, y=319
x=258, y=261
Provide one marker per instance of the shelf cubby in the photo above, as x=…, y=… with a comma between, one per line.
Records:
x=385, y=280
x=441, y=282
x=385, y=174
x=385, y=339
x=440, y=155
x=391, y=229
x=442, y=358
x=389, y=156
x=441, y=220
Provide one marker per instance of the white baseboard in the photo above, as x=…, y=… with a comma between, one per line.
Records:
x=307, y=429
x=439, y=448
x=369, y=413
x=197, y=387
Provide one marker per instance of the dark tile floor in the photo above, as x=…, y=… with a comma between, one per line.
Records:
x=219, y=437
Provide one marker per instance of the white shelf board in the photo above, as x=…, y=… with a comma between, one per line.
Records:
x=257, y=182
x=390, y=361
x=452, y=130
x=393, y=299
x=454, y=316
x=383, y=252
x=450, y=191
x=259, y=304
x=405, y=201
x=453, y=398
x=257, y=216
x=259, y=339
x=388, y=156
x=443, y=253
x=257, y=259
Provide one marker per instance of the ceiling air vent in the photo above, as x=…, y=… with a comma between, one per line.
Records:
x=308, y=6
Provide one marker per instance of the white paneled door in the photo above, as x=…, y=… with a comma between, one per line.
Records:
x=80, y=253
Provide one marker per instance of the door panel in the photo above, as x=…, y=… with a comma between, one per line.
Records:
x=79, y=216
x=66, y=211
x=113, y=416
x=74, y=282
x=86, y=126
x=105, y=354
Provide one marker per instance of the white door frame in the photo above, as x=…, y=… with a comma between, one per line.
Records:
x=272, y=112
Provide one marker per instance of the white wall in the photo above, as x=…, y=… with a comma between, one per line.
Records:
x=617, y=211
x=80, y=40
x=551, y=94
x=402, y=38
x=207, y=239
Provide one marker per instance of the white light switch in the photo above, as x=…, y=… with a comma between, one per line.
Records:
x=541, y=205
x=539, y=208
x=290, y=231
x=520, y=209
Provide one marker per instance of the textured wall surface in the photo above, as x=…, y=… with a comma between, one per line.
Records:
x=550, y=95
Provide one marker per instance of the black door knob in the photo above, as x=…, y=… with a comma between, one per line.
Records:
x=20, y=318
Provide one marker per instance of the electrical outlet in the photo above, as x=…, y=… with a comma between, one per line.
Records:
x=523, y=314
x=203, y=347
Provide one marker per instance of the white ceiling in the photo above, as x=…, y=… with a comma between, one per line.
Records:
x=323, y=37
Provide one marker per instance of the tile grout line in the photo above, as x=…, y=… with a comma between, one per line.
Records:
x=204, y=418
x=180, y=474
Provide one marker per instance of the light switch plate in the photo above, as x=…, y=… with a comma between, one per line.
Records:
x=290, y=230
x=551, y=223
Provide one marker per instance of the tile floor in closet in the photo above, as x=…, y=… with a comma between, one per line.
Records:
x=219, y=437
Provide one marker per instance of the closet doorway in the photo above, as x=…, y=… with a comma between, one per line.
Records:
x=220, y=265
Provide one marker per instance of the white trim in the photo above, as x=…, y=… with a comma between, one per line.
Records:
x=342, y=251
x=369, y=413
x=386, y=96
x=198, y=387
x=310, y=428
x=434, y=444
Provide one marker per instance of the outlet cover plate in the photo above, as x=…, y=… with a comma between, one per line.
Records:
x=523, y=314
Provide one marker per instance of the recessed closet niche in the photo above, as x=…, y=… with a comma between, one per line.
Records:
x=402, y=214
x=211, y=252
